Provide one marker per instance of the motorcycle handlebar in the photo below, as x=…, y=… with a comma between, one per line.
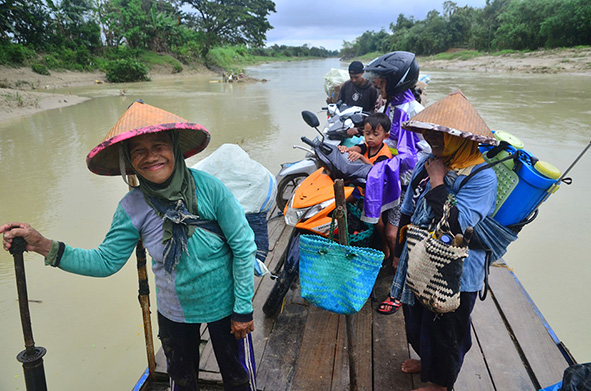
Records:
x=308, y=141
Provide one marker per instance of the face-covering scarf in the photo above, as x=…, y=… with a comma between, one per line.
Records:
x=460, y=152
x=175, y=201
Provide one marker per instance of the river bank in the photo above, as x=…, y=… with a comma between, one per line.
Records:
x=564, y=60
x=24, y=92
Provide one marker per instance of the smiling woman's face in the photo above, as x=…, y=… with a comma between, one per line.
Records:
x=435, y=140
x=152, y=156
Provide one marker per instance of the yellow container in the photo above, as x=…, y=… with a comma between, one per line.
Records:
x=546, y=169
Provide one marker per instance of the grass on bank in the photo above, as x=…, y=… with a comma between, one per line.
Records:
x=124, y=64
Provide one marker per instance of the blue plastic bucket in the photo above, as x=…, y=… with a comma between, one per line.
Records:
x=529, y=192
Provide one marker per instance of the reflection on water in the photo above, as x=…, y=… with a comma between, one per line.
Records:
x=92, y=328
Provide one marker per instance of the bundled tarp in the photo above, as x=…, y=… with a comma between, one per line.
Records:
x=252, y=185
x=250, y=182
x=333, y=81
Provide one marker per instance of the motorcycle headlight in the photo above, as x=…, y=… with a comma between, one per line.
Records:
x=312, y=211
x=294, y=216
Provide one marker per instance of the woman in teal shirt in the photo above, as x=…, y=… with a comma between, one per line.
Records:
x=202, y=275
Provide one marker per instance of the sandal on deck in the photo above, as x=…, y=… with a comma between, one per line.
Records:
x=389, y=306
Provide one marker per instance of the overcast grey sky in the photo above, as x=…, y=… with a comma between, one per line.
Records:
x=328, y=23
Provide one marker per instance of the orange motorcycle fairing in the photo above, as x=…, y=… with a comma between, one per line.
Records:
x=314, y=199
x=316, y=188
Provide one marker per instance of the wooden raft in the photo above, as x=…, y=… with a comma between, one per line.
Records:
x=304, y=348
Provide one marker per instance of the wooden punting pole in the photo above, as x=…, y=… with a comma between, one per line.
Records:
x=32, y=356
x=341, y=217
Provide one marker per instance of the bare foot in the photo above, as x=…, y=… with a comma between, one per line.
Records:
x=411, y=366
x=431, y=387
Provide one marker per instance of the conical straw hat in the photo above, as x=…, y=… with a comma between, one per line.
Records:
x=139, y=119
x=454, y=115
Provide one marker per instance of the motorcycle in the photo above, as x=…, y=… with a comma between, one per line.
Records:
x=309, y=209
x=340, y=118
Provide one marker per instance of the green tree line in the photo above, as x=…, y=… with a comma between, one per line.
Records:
x=499, y=25
x=124, y=37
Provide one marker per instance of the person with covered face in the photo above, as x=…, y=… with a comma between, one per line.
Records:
x=455, y=168
x=202, y=275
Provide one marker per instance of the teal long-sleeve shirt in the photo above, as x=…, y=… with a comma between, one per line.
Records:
x=214, y=279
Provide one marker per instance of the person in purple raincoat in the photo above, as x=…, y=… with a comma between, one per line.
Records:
x=395, y=75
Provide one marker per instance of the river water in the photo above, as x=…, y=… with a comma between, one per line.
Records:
x=92, y=328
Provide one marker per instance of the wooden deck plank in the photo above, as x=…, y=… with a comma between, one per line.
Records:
x=474, y=375
x=363, y=346
x=263, y=325
x=340, y=378
x=277, y=368
x=539, y=349
x=502, y=359
x=389, y=343
x=314, y=368
x=362, y=322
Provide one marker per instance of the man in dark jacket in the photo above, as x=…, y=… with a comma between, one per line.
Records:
x=358, y=91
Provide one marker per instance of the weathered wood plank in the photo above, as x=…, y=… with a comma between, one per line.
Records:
x=538, y=347
x=474, y=375
x=363, y=346
x=317, y=352
x=502, y=359
x=340, y=378
x=263, y=325
x=389, y=343
x=275, y=224
x=277, y=367
x=362, y=322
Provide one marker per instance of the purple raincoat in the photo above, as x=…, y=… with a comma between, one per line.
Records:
x=382, y=190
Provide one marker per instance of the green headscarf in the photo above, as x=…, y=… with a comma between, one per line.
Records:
x=179, y=186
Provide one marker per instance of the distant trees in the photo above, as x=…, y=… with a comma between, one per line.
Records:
x=295, y=51
x=121, y=36
x=73, y=32
x=158, y=25
x=501, y=24
x=234, y=22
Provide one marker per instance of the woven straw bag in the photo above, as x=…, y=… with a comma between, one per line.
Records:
x=336, y=277
x=435, y=268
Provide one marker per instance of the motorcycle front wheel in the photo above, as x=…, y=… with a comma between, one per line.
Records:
x=286, y=187
x=282, y=284
x=288, y=274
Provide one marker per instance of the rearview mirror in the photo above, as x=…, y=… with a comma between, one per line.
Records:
x=310, y=118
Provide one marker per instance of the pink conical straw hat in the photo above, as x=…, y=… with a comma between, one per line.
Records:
x=141, y=118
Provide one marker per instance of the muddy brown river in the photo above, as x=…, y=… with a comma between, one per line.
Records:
x=92, y=328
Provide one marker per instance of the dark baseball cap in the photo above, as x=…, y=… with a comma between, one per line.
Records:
x=356, y=67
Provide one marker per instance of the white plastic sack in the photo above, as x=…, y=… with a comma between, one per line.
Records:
x=250, y=182
x=334, y=78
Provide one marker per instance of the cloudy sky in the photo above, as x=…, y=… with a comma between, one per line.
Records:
x=328, y=23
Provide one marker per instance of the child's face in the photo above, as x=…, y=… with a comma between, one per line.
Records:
x=374, y=137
